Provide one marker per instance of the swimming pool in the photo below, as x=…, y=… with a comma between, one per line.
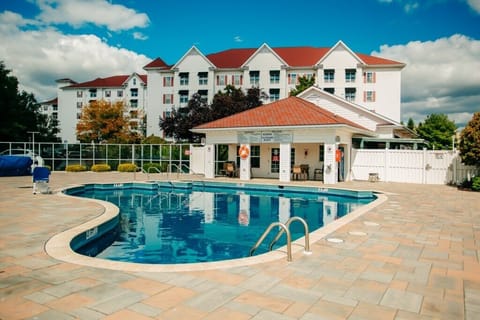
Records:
x=189, y=222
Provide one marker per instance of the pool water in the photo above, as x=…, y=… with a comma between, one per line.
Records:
x=202, y=224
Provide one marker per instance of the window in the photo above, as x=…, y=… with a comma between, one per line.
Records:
x=79, y=115
x=321, y=156
x=134, y=103
x=237, y=79
x=369, y=77
x=274, y=94
x=54, y=108
x=254, y=78
x=203, y=78
x=108, y=93
x=329, y=90
x=350, y=75
x=168, y=99
x=45, y=108
x=134, y=81
x=79, y=105
x=308, y=76
x=79, y=94
x=133, y=114
x=134, y=92
x=93, y=93
x=369, y=96
x=328, y=75
x=221, y=80
x=275, y=160
x=350, y=94
x=203, y=95
x=292, y=78
x=274, y=76
x=183, y=78
x=119, y=93
x=168, y=81
x=55, y=116
x=183, y=96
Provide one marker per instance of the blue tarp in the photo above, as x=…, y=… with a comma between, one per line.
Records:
x=15, y=166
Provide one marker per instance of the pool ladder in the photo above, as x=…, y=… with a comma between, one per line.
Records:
x=285, y=228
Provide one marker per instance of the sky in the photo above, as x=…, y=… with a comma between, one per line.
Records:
x=438, y=40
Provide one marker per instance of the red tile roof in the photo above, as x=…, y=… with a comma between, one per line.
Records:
x=301, y=56
x=233, y=58
x=372, y=60
x=157, y=63
x=293, y=56
x=109, y=82
x=291, y=111
x=53, y=101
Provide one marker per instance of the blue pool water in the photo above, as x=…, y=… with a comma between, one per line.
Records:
x=201, y=222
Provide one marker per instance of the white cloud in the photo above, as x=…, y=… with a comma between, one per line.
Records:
x=440, y=77
x=237, y=39
x=139, y=36
x=38, y=57
x=98, y=12
x=475, y=5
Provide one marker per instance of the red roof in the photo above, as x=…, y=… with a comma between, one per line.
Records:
x=293, y=56
x=291, y=111
x=114, y=81
x=301, y=56
x=54, y=101
x=233, y=58
x=157, y=63
x=372, y=60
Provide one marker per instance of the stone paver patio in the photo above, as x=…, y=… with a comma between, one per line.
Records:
x=415, y=256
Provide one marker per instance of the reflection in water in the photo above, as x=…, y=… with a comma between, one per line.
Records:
x=198, y=226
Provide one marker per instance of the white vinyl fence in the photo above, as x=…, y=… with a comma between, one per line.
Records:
x=410, y=166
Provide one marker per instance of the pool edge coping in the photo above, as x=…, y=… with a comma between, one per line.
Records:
x=58, y=246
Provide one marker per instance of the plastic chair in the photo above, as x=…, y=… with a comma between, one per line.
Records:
x=41, y=178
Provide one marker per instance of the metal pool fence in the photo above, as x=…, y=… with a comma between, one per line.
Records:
x=57, y=156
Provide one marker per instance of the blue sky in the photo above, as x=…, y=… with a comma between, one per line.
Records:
x=438, y=39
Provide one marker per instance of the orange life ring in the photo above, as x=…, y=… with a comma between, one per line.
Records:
x=243, y=152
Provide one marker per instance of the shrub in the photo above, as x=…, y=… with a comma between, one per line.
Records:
x=101, y=167
x=476, y=184
x=127, y=167
x=75, y=168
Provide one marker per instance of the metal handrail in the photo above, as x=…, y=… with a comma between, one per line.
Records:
x=287, y=224
x=170, y=169
x=267, y=231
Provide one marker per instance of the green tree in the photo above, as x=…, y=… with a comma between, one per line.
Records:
x=181, y=120
x=438, y=130
x=21, y=113
x=411, y=124
x=104, y=121
x=303, y=84
x=469, y=145
x=232, y=100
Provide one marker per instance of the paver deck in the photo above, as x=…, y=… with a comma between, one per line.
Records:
x=416, y=256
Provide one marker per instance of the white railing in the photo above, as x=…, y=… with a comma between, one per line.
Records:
x=58, y=156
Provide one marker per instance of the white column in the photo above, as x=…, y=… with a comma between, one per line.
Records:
x=244, y=213
x=330, y=170
x=284, y=174
x=283, y=209
x=245, y=164
x=210, y=161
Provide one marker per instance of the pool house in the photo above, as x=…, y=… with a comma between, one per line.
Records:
x=308, y=137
